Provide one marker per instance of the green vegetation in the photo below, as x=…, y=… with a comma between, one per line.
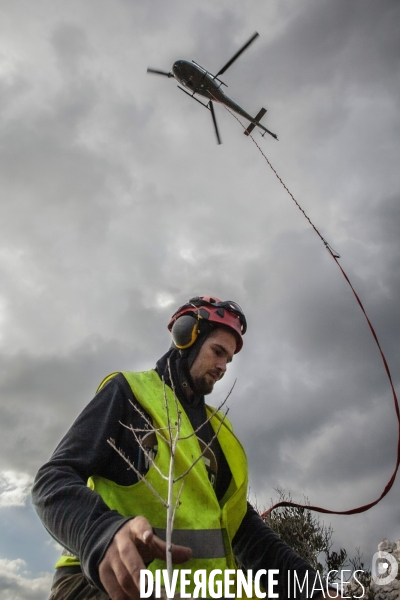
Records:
x=303, y=531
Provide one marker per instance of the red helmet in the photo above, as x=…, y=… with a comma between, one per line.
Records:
x=225, y=313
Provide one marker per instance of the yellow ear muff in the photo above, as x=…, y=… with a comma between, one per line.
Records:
x=185, y=331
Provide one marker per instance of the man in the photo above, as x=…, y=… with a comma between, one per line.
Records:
x=105, y=516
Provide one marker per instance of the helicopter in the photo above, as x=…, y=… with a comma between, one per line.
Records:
x=199, y=81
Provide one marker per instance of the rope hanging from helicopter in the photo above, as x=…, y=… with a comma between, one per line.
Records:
x=335, y=257
x=200, y=81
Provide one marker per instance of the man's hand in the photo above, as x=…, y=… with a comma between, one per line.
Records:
x=133, y=545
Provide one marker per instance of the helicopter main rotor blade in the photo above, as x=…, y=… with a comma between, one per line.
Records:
x=159, y=72
x=238, y=53
x=214, y=121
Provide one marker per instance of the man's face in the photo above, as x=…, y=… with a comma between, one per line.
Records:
x=211, y=362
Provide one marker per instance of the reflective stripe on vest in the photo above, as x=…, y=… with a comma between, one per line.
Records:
x=204, y=543
x=201, y=522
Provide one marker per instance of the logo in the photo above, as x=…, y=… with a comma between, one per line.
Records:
x=384, y=568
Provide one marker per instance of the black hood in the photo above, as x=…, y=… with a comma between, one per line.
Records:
x=181, y=362
x=178, y=371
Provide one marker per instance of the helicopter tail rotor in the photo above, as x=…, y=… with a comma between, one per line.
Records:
x=159, y=72
x=256, y=122
x=257, y=118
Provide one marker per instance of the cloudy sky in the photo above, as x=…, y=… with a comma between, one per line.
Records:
x=117, y=206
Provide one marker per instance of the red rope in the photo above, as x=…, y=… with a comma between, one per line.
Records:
x=335, y=257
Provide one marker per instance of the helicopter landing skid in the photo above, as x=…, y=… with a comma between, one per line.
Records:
x=192, y=96
x=210, y=107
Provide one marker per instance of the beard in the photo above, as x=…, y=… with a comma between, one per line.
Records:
x=204, y=384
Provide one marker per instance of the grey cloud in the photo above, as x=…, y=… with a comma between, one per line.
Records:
x=118, y=206
x=71, y=45
x=42, y=395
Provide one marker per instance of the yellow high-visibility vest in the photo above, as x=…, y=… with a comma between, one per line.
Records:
x=201, y=522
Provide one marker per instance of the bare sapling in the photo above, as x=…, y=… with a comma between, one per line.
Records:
x=171, y=434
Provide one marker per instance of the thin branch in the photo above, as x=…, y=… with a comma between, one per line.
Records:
x=177, y=404
x=170, y=376
x=140, y=476
x=167, y=411
x=142, y=414
x=215, y=411
x=173, y=440
x=133, y=430
x=203, y=452
x=139, y=441
x=177, y=503
x=173, y=386
x=144, y=430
